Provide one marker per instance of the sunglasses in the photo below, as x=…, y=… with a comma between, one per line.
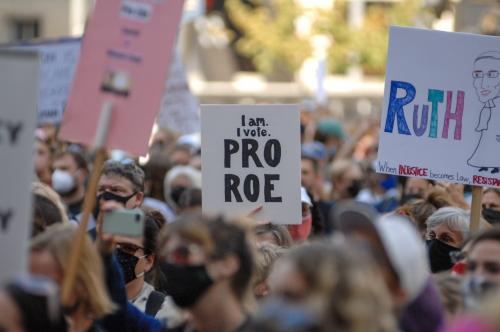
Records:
x=183, y=254
x=129, y=248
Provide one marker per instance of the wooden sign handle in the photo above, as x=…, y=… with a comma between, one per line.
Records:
x=475, y=210
x=88, y=203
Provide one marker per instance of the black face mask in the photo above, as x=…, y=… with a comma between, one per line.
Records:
x=491, y=216
x=186, y=284
x=176, y=194
x=439, y=255
x=354, y=188
x=128, y=263
x=109, y=196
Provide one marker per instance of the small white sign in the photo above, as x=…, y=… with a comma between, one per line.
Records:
x=18, y=93
x=57, y=68
x=251, y=158
x=441, y=115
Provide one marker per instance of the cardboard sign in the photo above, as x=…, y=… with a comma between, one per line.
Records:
x=251, y=157
x=441, y=115
x=57, y=68
x=18, y=93
x=179, y=109
x=125, y=58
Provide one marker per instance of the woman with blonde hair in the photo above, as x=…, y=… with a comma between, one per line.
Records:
x=49, y=257
x=340, y=281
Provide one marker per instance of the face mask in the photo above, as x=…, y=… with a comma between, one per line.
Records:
x=186, y=283
x=63, y=182
x=176, y=194
x=109, y=196
x=475, y=287
x=354, y=188
x=439, y=255
x=128, y=263
x=301, y=232
x=492, y=216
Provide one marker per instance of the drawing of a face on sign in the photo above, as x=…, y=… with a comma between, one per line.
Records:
x=486, y=76
x=486, y=81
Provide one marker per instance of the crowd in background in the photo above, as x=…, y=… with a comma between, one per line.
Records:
x=374, y=252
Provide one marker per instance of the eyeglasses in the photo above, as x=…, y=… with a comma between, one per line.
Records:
x=129, y=248
x=183, y=254
x=489, y=74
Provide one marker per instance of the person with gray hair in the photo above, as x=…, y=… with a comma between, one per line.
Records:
x=447, y=229
x=179, y=180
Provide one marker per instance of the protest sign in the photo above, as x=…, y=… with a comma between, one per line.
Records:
x=251, y=157
x=125, y=58
x=179, y=108
x=58, y=59
x=18, y=93
x=441, y=115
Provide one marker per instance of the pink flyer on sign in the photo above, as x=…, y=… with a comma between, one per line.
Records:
x=126, y=52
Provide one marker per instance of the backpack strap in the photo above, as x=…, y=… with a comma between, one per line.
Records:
x=153, y=305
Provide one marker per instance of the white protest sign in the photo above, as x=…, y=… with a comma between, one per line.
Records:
x=441, y=115
x=57, y=68
x=251, y=157
x=18, y=93
x=179, y=108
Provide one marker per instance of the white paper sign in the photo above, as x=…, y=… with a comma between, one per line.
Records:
x=18, y=93
x=441, y=115
x=251, y=157
x=179, y=108
x=58, y=63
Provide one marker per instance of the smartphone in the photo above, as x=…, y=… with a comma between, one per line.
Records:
x=125, y=222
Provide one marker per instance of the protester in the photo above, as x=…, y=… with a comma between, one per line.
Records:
x=302, y=231
x=402, y=259
x=177, y=180
x=121, y=182
x=347, y=179
x=267, y=254
x=420, y=209
x=208, y=263
x=49, y=257
x=42, y=157
x=339, y=282
x=447, y=229
x=417, y=188
x=137, y=258
x=68, y=180
x=45, y=204
x=491, y=205
x=154, y=172
x=275, y=234
x=30, y=304
x=483, y=266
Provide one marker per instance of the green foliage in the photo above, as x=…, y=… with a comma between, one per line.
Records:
x=270, y=40
x=269, y=35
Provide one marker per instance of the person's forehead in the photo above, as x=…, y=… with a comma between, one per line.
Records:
x=443, y=228
x=487, y=250
x=115, y=180
x=491, y=197
x=487, y=64
x=65, y=160
x=138, y=241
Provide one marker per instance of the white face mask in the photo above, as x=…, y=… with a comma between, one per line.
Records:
x=63, y=182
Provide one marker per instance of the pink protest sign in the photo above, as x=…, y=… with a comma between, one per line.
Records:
x=125, y=58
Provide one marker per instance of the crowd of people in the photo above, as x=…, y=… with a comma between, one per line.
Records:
x=374, y=252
